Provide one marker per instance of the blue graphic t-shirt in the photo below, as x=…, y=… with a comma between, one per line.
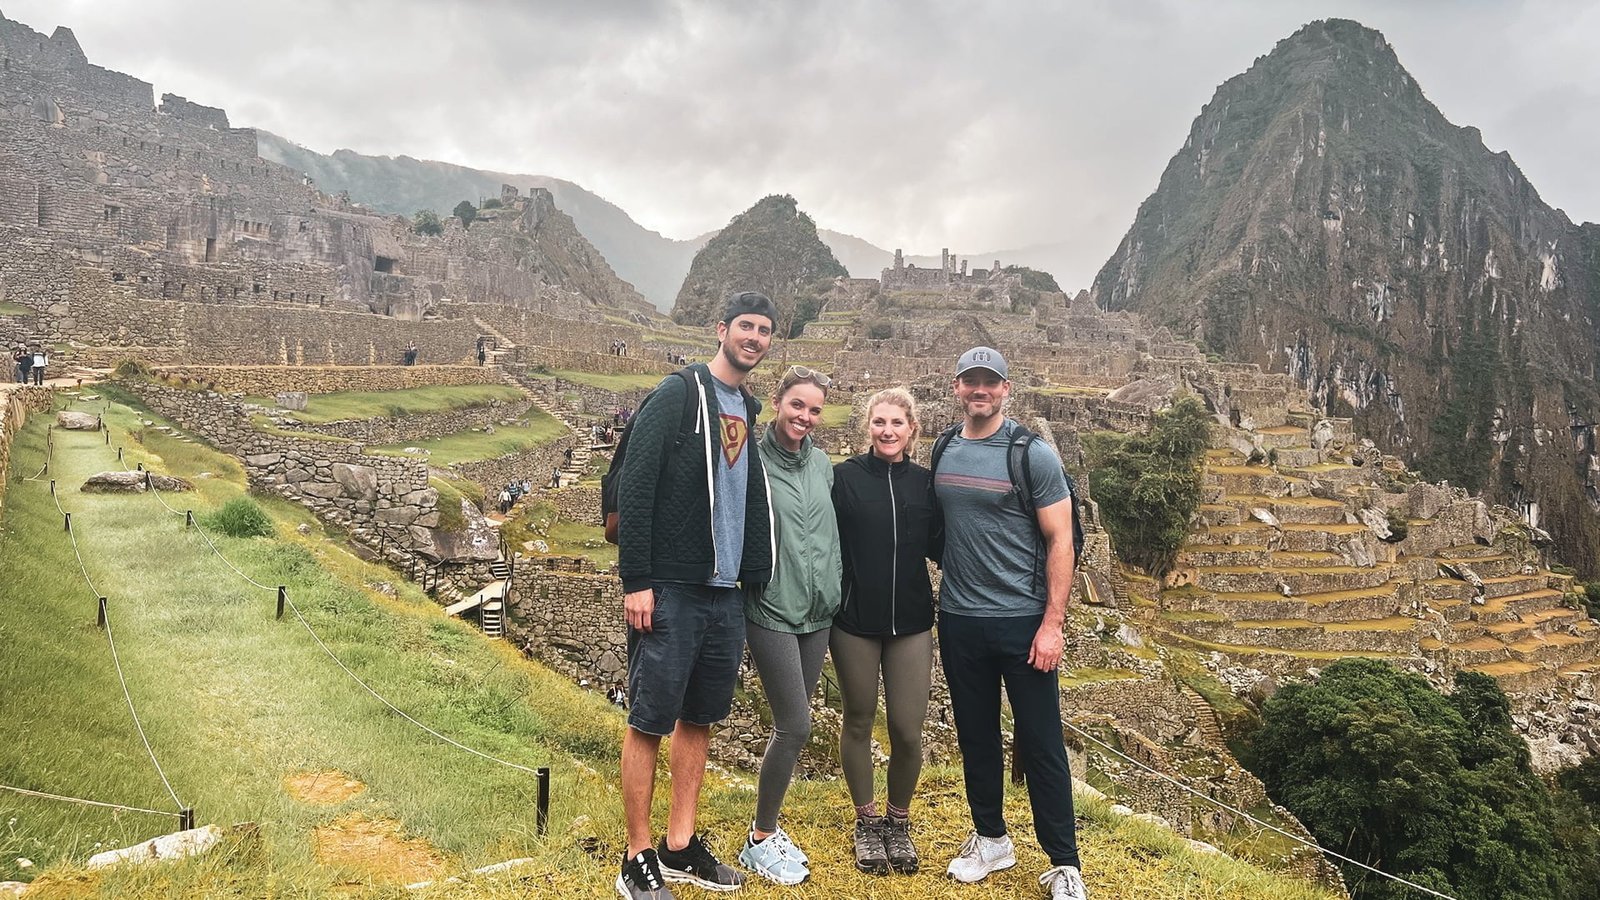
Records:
x=731, y=476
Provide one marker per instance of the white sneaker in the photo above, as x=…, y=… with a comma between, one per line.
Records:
x=1064, y=883
x=981, y=855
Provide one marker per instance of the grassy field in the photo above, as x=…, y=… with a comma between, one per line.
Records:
x=410, y=401
x=535, y=429
x=236, y=704
x=606, y=381
x=8, y=308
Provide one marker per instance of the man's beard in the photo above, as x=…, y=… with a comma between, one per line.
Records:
x=731, y=354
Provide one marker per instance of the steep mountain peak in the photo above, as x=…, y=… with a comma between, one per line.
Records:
x=1325, y=219
x=772, y=247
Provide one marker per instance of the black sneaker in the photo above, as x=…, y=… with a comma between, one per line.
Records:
x=897, y=842
x=641, y=878
x=697, y=865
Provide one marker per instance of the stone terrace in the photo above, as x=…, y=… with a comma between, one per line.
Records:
x=1292, y=563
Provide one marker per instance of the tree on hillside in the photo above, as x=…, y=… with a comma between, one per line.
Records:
x=426, y=221
x=1437, y=789
x=1148, y=484
x=466, y=212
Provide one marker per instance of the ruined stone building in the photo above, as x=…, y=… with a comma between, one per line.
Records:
x=128, y=224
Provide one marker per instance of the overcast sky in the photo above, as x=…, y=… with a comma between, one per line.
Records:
x=977, y=126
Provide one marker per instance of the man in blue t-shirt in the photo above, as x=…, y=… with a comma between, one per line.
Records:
x=1001, y=607
x=694, y=533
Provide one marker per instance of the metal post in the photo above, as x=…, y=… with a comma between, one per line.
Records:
x=543, y=807
x=67, y=526
x=188, y=519
x=119, y=454
x=283, y=594
x=52, y=485
x=186, y=818
x=138, y=467
x=100, y=615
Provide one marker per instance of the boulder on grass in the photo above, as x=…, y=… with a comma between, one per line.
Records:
x=132, y=483
x=77, y=421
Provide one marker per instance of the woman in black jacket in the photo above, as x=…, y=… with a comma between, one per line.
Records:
x=888, y=526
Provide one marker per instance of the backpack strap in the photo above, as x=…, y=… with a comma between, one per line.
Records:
x=939, y=445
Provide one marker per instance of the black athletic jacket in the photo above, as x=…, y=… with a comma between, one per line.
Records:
x=889, y=523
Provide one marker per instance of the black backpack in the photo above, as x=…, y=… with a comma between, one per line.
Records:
x=1019, y=470
x=611, y=481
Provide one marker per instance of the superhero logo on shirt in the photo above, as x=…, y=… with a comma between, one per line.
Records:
x=734, y=433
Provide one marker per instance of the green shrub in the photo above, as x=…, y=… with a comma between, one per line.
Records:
x=1148, y=484
x=1399, y=526
x=131, y=369
x=880, y=330
x=240, y=518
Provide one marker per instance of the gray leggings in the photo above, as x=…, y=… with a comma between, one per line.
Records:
x=906, y=662
x=789, y=666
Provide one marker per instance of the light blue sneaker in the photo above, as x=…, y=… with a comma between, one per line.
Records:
x=789, y=847
x=769, y=860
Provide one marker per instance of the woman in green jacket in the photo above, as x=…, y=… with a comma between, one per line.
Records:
x=787, y=625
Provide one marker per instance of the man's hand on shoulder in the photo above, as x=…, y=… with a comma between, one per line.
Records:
x=1045, y=654
x=639, y=605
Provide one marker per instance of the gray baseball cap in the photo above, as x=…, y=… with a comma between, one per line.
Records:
x=982, y=358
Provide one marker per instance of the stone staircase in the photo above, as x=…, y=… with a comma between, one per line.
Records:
x=1285, y=566
x=499, y=351
x=490, y=600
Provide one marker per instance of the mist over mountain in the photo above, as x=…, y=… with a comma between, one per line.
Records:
x=655, y=264
x=1325, y=219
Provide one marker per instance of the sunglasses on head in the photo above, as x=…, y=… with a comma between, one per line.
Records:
x=802, y=373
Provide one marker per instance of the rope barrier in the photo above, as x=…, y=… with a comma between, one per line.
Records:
x=99, y=803
x=105, y=622
x=134, y=713
x=314, y=636
x=1239, y=812
x=72, y=536
x=397, y=710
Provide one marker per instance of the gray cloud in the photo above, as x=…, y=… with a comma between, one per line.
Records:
x=975, y=126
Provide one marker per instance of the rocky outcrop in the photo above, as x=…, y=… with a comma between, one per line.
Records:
x=771, y=247
x=1324, y=219
x=133, y=483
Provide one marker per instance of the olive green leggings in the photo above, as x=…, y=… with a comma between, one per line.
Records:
x=906, y=665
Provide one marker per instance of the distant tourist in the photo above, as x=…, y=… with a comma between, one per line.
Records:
x=40, y=360
x=568, y=454
x=410, y=355
x=483, y=350
x=24, y=363
x=786, y=626
x=505, y=500
x=687, y=562
x=1008, y=564
x=889, y=524
x=555, y=478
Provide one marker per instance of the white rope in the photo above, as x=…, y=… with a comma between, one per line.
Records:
x=134, y=713
x=1239, y=812
x=72, y=536
x=225, y=561
x=398, y=711
x=65, y=799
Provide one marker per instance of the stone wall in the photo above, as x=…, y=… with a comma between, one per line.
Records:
x=558, y=356
x=15, y=406
x=533, y=465
x=420, y=426
x=384, y=496
x=269, y=380
x=115, y=323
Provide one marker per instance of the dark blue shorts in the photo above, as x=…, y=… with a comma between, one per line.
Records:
x=686, y=666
